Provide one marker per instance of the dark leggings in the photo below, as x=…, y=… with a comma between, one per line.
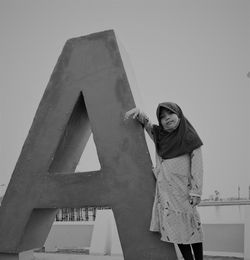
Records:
x=187, y=252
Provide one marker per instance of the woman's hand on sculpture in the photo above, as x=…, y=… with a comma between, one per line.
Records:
x=134, y=112
x=194, y=200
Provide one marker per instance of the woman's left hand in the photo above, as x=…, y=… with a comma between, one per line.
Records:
x=194, y=200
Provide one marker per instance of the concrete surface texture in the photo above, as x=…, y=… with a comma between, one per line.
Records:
x=88, y=92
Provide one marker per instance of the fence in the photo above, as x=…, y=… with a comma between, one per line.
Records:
x=78, y=214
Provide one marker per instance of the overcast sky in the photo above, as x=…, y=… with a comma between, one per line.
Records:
x=194, y=53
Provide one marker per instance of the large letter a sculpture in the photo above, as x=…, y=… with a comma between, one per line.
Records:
x=87, y=92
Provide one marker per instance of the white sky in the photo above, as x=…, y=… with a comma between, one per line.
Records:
x=194, y=53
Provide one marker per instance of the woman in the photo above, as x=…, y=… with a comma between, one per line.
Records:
x=179, y=174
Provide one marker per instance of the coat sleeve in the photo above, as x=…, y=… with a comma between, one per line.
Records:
x=196, y=179
x=144, y=120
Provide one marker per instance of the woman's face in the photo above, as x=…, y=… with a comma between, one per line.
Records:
x=168, y=120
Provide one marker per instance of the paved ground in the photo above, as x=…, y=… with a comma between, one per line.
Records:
x=58, y=256
x=53, y=256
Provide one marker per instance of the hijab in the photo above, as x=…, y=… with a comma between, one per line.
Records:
x=184, y=139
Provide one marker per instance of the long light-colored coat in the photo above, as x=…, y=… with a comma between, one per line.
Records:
x=176, y=179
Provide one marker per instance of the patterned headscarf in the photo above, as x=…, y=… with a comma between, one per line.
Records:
x=184, y=139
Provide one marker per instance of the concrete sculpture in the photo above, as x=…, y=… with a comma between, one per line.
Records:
x=87, y=92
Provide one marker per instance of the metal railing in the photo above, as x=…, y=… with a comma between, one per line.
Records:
x=89, y=213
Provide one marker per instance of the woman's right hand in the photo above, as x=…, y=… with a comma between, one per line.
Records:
x=134, y=112
x=194, y=200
